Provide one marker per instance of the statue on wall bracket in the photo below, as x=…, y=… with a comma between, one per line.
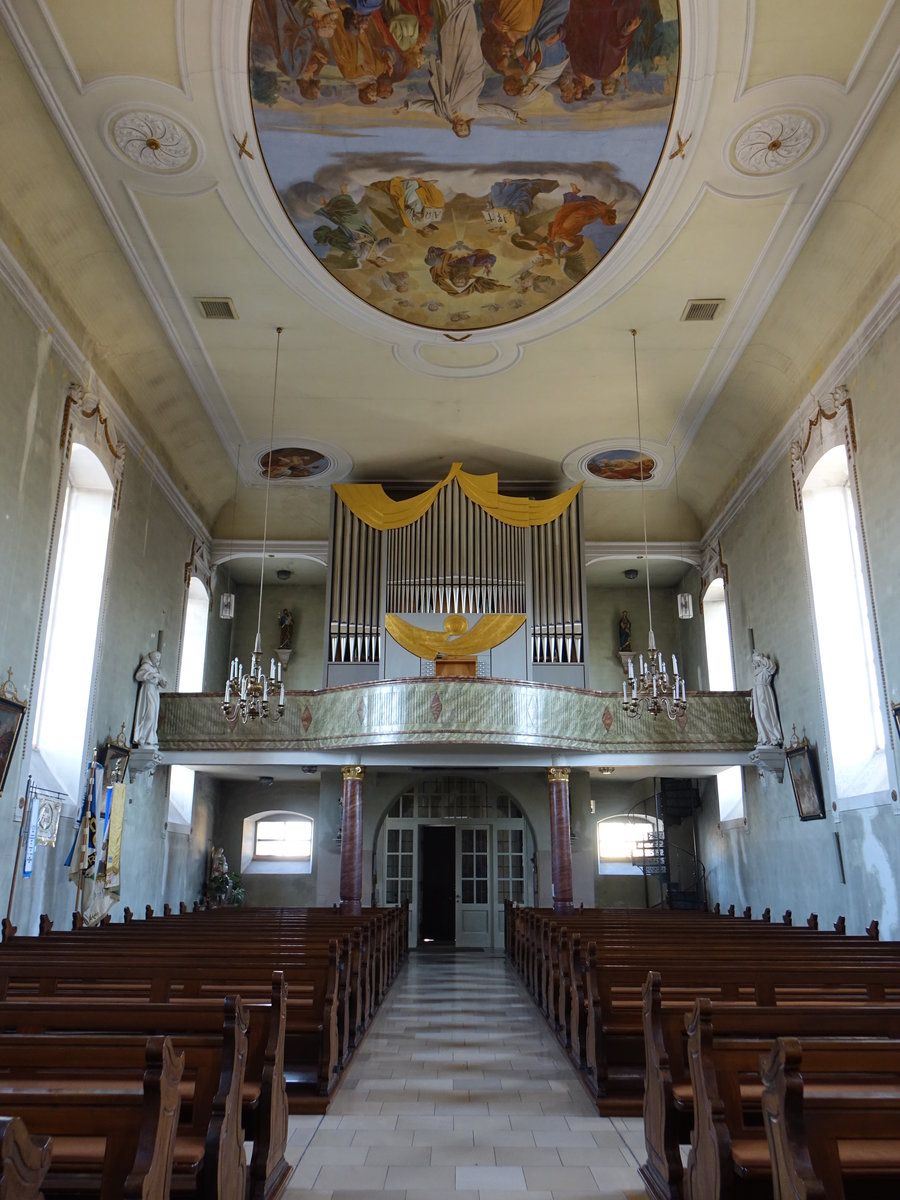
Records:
x=769, y=754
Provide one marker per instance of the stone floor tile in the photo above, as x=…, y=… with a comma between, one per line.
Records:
x=596, y=1156
x=463, y=1156
x=492, y=1179
x=526, y=1156
x=559, y=1179
x=351, y=1179
x=422, y=1178
x=399, y=1156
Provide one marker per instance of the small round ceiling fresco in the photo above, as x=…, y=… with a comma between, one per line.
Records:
x=461, y=164
x=292, y=462
x=621, y=464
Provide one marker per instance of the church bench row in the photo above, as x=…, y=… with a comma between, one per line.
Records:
x=312, y=1048
x=334, y=982
x=669, y=1110
x=760, y=1130
x=594, y=999
x=102, y=1139
x=261, y=1098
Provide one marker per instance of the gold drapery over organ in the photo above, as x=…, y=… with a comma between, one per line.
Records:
x=457, y=548
x=489, y=631
x=371, y=504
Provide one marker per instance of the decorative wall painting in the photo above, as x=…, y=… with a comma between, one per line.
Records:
x=461, y=164
x=12, y=712
x=805, y=781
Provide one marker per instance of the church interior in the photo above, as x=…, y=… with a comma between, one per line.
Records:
x=367, y=564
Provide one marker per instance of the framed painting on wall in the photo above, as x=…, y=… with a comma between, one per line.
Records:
x=11, y=714
x=113, y=757
x=805, y=781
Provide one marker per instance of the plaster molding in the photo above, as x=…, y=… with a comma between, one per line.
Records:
x=850, y=354
x=687, y=552
x=152, y=140
x=775, y=141
x=48, y=94
x=222, y=550
x=36, y=307
x=842, y=162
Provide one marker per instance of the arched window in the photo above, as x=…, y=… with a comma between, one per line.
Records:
x=853, y=709
x=70, y=641
x=624, y=840
x=277, y=842
x=193, y=639
x=720, y=671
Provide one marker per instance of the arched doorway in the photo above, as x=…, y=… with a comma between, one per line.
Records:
x=456, y=848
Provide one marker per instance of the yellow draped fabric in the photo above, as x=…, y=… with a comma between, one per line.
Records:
x=370, y=503
x=489, y=631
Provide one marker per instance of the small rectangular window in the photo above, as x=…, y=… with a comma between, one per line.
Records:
x=287, y=839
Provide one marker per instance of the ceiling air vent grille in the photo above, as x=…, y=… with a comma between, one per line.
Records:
x=217, y=308
x=701, y=310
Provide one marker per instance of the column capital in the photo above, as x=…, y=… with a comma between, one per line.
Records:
x=350, y=773
x=558, y=774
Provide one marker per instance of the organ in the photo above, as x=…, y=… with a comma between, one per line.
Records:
x=457, y=579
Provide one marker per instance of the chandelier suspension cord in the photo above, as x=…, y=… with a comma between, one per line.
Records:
x=262, y=565
x=637, y=402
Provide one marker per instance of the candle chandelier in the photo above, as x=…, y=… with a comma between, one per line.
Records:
x=248, y=696
x=651, y=688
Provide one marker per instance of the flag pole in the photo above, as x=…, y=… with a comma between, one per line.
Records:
x=26, y=804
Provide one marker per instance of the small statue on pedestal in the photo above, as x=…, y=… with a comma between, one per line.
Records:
x=146, y=717
x=286, y=624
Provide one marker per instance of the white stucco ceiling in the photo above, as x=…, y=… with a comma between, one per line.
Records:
x=800, y=254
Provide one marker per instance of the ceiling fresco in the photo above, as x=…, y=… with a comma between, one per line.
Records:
x=460, y=165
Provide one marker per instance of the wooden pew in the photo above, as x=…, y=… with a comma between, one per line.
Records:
x=109, y=1139
x=729, y=1155
x=24, y=1160
x=264, y=1108
x=668, y=1094
x=842, y=1141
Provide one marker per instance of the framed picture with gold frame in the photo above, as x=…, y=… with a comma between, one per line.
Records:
x=805, y=781
x=12, y=713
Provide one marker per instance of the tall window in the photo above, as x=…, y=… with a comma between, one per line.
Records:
x=277, y=842
x=720, y=670
x=193, y=641
x=67, y=667
x=843, y=629
x=190, y=679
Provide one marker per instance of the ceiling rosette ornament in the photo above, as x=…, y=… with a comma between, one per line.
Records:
x=775, y=142
x=154, y=141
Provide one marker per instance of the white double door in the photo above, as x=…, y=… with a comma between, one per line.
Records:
x=473, y=886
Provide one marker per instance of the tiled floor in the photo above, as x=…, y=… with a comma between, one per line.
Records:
x=461, y=1092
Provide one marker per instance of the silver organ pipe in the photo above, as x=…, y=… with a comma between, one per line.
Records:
x=456, y=558
x=557, y=589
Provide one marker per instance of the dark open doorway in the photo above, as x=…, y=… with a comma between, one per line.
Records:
x=437, y=871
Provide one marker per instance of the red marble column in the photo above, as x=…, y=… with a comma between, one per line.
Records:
x=560, y=839
x=351, y=840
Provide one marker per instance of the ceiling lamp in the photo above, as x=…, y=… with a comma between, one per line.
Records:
x=651, y=688
x=247, y=695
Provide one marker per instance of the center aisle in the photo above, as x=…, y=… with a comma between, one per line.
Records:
x=461, y=1092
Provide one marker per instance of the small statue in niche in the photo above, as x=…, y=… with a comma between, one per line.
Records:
x=624, y=632
x=146, y=717
x=286, y=627
x=763, y=706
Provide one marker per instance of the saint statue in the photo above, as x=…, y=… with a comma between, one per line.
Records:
x=763, y=706
x=624, y=632
x=286, y=623
x=146, y=716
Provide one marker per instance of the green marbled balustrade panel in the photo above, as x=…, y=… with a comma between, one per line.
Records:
x=465, y=712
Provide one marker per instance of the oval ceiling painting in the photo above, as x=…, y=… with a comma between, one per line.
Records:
x=462, y=163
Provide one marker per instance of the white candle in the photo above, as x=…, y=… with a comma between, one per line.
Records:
x=279, y=671
x=624, y=691
x=631, y=668
x=281, y=697
x=674, y=664
x=228, y=692
x=272, y=670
